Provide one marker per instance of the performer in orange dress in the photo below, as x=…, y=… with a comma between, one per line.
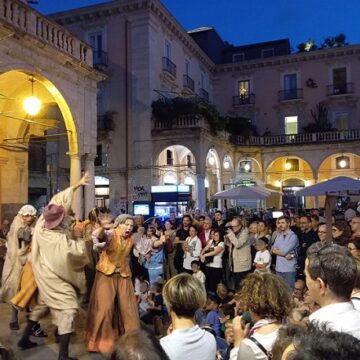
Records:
x=112, y=308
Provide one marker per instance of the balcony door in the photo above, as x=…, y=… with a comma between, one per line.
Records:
x=339, y=80
x=290, y=86
x=291, y=125
x=96, y=43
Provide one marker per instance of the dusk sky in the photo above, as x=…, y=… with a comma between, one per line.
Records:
x=243, y=22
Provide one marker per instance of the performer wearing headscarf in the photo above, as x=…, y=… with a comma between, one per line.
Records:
x=58, y=264
x=113, y=307
x=18, y=246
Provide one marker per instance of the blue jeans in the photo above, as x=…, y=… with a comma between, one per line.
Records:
x=289, y=277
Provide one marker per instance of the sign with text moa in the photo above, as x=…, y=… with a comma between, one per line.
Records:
x=140, y=192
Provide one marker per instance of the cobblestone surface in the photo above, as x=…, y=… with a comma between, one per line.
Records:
x=47, y=348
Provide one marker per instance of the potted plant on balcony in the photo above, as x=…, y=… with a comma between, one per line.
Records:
x=167, y=110
x=320, y=122
x=239, y=126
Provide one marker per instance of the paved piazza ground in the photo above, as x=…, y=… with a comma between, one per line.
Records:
x=47, y=348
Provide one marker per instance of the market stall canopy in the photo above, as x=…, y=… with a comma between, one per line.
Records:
x=246, y=192
x=339, y=186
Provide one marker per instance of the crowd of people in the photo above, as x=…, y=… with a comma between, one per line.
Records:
x=195, y=286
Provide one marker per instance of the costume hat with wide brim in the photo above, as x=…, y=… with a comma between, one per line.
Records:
x=53, y=215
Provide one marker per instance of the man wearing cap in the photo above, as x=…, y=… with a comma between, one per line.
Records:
x=18, y=245
x=58, y=264
x=112, y=308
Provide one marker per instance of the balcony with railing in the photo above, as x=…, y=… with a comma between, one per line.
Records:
x=23, y=19
x=181, y=122
x=291, y=94
x=297, y=139
x=189, y=82
x=203, y=94
x=340, y=89
x=100, y=59
x=169, y=66
x=241, y=100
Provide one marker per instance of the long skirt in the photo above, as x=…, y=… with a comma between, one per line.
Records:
x=112, y=311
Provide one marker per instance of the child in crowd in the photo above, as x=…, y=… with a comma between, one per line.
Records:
x=155, y=304
x=223, y=293
x=212, y=318
x=197, y=273
x=262, y=259
x=143, y=297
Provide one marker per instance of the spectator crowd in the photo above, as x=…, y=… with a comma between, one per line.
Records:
x=211, y=287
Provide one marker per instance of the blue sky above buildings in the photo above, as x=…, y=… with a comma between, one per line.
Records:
x=243, y=22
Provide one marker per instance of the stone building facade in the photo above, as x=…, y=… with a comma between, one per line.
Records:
x=40, y=58
x=146, y=55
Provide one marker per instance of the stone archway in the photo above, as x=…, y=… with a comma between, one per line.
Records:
x=17, y=129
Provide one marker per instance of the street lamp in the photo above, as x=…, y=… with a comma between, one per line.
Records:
x=32, y=104
x=226, y=162
x=211, y=160
x=247, y=167
x=342, y=162
x=288, y=165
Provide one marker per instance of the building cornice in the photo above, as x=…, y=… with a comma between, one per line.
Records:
x=126, y=7
x=292, y=59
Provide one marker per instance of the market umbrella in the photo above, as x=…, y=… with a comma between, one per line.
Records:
x=338, y=186
x=245, y=192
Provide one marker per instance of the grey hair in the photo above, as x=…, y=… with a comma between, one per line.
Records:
x=121, y=219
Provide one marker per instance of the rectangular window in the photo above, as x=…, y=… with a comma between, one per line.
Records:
x=202, y=81
x=291, y=125
x=265, y=53
x=238, y=57
x=96, y=41
x=243, y=88
x=339, y=80
x=167, y=49
x=187, y=67
x=169, y=157
x=99, y=156
x=342, y=121
x=290, y=87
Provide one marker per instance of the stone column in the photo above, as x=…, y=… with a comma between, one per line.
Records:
x=75, y=176
x=200, y=185
x=89, y=191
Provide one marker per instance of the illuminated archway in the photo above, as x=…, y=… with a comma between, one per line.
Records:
x=339, y=164
x=17, y=128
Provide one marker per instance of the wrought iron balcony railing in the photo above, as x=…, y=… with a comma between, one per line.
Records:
x=291, y=94
x=244, y=100
x=169, y=66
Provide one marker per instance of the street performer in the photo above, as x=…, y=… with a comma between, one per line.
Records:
x=112, y=307
x=18, y=247
x=58, y=264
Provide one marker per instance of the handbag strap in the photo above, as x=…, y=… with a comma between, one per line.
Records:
x=267, y=353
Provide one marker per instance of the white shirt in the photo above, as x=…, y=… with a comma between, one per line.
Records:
x=342, y=317
x=192, y=343
x=200, y=276
x=217, y=262
x=196, y=248
x=263, y=257
x=249, y=349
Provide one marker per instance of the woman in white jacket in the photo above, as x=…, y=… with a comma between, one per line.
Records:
x=192, y=249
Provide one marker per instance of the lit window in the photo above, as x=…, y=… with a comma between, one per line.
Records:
x=291, y=125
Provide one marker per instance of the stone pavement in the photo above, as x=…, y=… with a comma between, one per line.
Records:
x=47, y=348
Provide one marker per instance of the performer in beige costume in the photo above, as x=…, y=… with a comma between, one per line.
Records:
x=58, y=264
x=18, y=245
